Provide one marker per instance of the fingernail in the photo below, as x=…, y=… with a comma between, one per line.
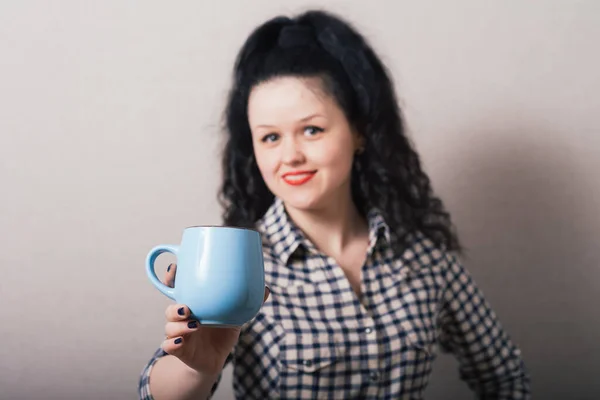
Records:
x=192, y=324
x=169, y=268
x=181, y=311
x=178, y=340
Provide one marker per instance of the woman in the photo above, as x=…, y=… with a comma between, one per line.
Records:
x=360, y=255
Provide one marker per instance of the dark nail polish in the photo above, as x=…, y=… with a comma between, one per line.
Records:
x=192, y=324
x=178, y=340
x=169, y=268
x=181, y=311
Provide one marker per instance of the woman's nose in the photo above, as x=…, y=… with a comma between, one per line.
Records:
x=291, y=152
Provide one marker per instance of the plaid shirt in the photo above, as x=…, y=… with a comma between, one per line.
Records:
x=315, y=338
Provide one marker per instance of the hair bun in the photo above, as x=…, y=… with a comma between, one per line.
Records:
x=296, y=35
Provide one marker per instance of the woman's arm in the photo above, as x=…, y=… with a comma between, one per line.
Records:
x=490, y=362
x=166, y=377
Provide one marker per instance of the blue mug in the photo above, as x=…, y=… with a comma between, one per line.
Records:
x=220, y=274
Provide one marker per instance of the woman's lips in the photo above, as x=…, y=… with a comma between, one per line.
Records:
x=298, y=178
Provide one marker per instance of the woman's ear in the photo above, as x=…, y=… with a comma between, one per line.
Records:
x=359, y=143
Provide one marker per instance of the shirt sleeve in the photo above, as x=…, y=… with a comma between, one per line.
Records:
x=144, y=382
x=489, y=362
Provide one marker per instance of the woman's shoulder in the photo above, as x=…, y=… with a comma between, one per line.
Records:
x=422, y=255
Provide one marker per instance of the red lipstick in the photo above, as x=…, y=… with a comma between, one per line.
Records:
x=297, y=178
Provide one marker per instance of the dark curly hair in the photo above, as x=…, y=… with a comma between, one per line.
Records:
x=387, y=175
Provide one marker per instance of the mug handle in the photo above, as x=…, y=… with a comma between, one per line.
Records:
x=151, y=258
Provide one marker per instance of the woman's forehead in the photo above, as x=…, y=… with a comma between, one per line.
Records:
x=288, y=98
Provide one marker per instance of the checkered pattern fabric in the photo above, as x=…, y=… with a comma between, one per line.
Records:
x=316, y=339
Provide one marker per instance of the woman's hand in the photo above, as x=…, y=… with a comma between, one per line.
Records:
x=201, y=348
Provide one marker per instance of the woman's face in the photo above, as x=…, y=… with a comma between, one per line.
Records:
x=303, y=143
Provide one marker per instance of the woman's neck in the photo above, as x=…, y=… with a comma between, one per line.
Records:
x=332, y=228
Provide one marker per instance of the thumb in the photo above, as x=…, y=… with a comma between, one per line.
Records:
x=169, y=278
x=267, y=293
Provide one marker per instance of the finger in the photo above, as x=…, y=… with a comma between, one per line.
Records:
x=181, y=328
x=173, y=346
x=169, y=278
x=177, y=312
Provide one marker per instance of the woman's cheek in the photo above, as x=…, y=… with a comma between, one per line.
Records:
x=267, y=166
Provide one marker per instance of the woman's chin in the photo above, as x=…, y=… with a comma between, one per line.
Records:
x=303, y=202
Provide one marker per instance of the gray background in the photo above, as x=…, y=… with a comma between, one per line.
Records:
x=109, y=121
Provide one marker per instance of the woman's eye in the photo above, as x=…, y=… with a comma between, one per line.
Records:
x=312, y=130
x=271, y=137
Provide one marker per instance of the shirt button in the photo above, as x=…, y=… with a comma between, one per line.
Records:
x=307, y=363
x=368, y=330
x=374, y=376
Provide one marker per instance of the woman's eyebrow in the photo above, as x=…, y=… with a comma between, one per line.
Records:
x=311, y=117
x=304, y=119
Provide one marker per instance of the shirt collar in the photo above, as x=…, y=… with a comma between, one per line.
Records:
x=285, y=238
x=281, y=232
